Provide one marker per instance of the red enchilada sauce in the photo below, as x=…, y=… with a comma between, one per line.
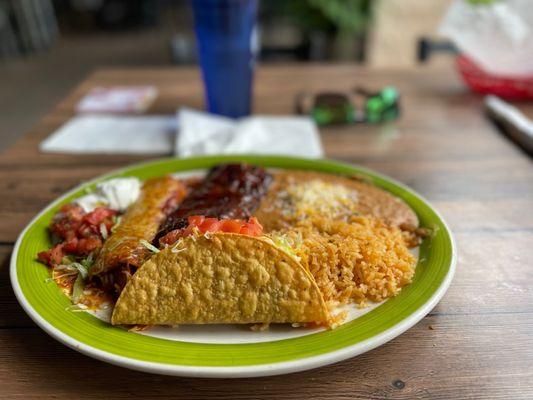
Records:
x=229, y=191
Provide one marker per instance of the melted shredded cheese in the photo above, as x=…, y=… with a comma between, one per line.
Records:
x=317, y=196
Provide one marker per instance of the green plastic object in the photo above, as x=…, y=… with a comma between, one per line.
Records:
x=384, y=106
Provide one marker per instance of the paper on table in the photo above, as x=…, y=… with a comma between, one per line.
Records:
x=204, y=134
x=114, y=135
x=117, y=99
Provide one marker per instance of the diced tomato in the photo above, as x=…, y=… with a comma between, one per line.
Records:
x=72, y=212
x=209, y=225
x=68, y=221
x=87, y=230
x=79, y=231
x=71, y=246
x=196, y=220
x=53, y=256
x=44, y=257
x=96, y=216
x=65, y=228
x=56, y=254
x=202, y=224
x=172, y=237
x=86, y=245
x=185, y=232
x=252, y=228
x=231, y=225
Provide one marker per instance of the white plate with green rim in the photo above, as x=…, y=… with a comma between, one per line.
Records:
x=232, y=351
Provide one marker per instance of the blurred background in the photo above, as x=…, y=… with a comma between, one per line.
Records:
x=49, y=46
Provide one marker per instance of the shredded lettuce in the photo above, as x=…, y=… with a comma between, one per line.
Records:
x=103, y=231
x=82, y=270
x=77, y=289
x=67, y=260
x=289, y=245
x=149, y=246
x=76, y=307
x=54, y=277
x=116, y=223
x=71, y=267
x=88, y=262
x=118, y=242
x=81, y=267
x=175, y=248
x=79, y=283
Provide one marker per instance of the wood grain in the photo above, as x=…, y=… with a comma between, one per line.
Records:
x=452, y=361
x=480, y=344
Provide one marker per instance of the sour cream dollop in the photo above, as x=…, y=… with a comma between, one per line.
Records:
x=117, y=194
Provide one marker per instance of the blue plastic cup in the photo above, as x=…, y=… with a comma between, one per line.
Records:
x=224, y=31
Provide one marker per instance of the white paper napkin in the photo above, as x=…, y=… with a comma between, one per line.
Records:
x=91, y=134
x=207, y=134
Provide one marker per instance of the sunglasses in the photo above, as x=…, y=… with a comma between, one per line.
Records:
x=358, y=106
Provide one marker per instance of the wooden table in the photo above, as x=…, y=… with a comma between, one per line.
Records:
x=477, y=343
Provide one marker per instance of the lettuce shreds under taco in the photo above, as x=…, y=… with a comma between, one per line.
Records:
x=217, y=279
x=126, y=248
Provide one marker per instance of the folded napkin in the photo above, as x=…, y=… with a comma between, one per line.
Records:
x=199, y=134
x=110, y=134
x=207, y=134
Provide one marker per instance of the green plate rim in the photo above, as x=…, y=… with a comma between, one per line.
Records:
x=90, y=336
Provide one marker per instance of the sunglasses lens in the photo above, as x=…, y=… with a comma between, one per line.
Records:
x=332, y=108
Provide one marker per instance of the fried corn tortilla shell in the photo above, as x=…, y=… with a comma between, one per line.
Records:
x=140, y=221
x=298, y=195
x=221, y=279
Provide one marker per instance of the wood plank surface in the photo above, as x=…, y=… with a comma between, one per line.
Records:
x=476, y=343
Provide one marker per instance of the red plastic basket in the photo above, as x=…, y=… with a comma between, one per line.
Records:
x=482, y=82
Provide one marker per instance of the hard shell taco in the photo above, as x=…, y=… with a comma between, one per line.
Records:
x=221, y=278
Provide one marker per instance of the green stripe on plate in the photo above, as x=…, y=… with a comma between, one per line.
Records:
x=47, y=300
